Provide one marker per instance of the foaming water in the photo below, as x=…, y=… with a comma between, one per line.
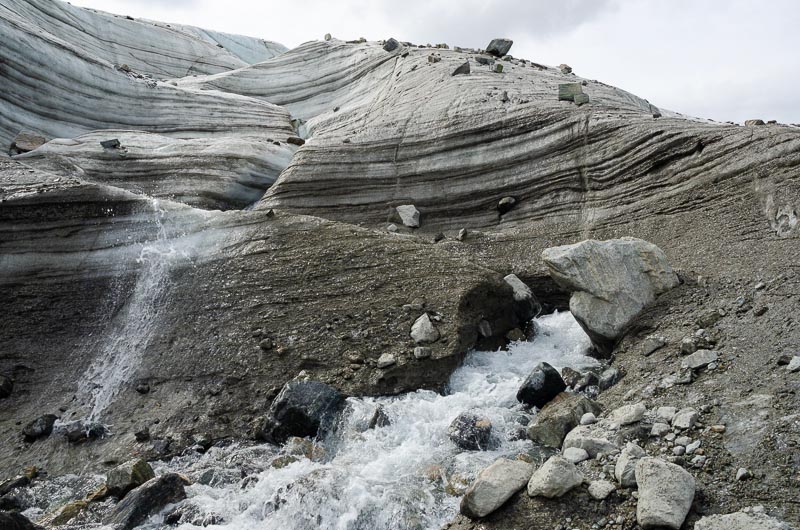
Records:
x=407, y=475
x=133, y=328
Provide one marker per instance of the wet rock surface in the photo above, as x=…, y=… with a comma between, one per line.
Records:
x=302, y=408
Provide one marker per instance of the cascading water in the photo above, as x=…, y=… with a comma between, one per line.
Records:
x=406, y=475
x=133, y=327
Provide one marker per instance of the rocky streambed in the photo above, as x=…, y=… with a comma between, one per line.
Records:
x=245, y=287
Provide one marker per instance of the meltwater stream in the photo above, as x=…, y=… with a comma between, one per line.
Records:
x=133, y=328
x=407, y=475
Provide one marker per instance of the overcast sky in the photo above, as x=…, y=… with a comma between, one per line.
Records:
x=719, y=59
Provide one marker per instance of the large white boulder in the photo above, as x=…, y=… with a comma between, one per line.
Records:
x=611, y=282
x=494, y=486
x=666, y=492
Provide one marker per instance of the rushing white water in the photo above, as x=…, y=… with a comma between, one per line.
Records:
x=407, y=475
x=132, y=329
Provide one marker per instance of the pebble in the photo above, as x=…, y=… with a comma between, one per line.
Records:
x=683, y=440
x=698, y=461
x=743, y=474
x=685, y=418
x=692, y=447
x=588, y=419
x=678, y=450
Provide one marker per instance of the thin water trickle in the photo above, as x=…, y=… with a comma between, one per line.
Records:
x=133, y=328
x=407, y=475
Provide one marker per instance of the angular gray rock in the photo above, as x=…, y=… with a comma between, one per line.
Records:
x=699, y=359
x=302, y=408
x=594, y=439
x=423, y=331
x=499, y=47
x=625, y=468
x=666, y=492
x=568, y=91
x=526, y=306
x=409, y=215
x=390, y=45
x=611, y=282
x=559, y=417
x=146, y=500
x=601, y=489
x=542, y=385
x=494, y=486
x=386, y=360
x=506, y=204
x=740, y=521
x=41, y=427
x=554, y=478
x=463, y=69
x=127, y=476
x=685, y=418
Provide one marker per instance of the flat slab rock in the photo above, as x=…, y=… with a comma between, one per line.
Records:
x=494, y=486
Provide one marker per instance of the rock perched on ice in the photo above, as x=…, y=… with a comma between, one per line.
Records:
x=555, y=478
x=740, y=521
x=147, y=499
x=25, y=142
x=127, y=476
x=666, y=492
x=559, y=417
x=506, y=204
x=423, y=331
x=611, y=282
x=6, y=386
x=302, y=408
x=409, y=215
x=41, y=427
x=499, y=47
x=470, y=432
x=494, y=486
x=541, y=386
x=462, y=69
x=391, y=44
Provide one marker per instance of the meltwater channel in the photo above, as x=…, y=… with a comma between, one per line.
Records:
x=407, y=475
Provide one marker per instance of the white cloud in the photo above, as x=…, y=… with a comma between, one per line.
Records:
x=720, y=59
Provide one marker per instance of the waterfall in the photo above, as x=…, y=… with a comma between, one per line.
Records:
x=406, y=475
x=133, y=327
